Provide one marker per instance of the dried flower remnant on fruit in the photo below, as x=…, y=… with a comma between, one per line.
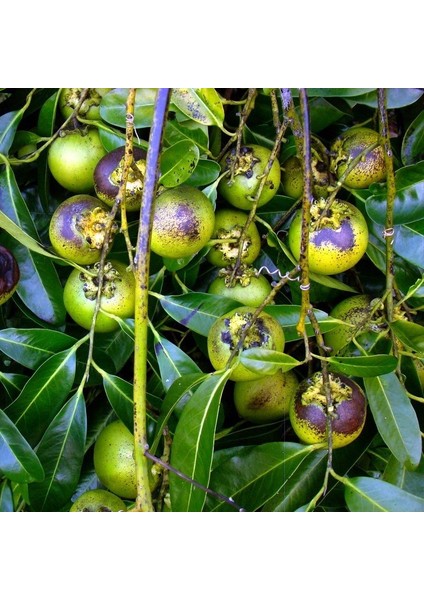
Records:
x=257, y=335
x=91, y=282
x=315, y=392
x=241, y=276
x=241, y=164
x=230, y=249
x=92, y=224
x=135, y=180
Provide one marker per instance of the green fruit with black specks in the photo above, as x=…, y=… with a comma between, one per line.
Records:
x=371, y=168
x=229, y=225
x=98, y=500
x=292, y=172
x=247, y=286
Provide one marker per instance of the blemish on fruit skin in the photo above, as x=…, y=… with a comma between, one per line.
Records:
x=342, y=238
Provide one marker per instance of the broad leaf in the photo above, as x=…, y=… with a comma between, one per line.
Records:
x=192, y=447
x=173, y=362
x=410, y=334
x=188, y=131
x=6, y=497
x=61, y=452
x=365, y=494
x=12, y=384
x=9, y=123
x=18, y=461
x=396, y=97
x=206, y=172
x=363, y=366
x=120, y=393
x=410, y=481
x=396, y=420
x=113, y=107
x=413, y=141
x=266, y=362
x=203, y=105
x=31, y=347
x=177, y=163
x=288, y=317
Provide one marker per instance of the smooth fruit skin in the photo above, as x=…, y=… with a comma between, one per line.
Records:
x=250, y=291
x=183, y=222
x=114, y=461
x=338, y=244
x=118, y=296
x=229, y=224
x=370, y=169
x=267, y=399
x=224, y=336
x=292, y=173
x=308, y=410
x=73, y=157
x=252, y=163
x=98, y=500
x=356, y=311
x=108, y=176
x=77, y=229
x=9, y=274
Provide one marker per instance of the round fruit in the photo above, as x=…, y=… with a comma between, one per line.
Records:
x=98, y=501
x=183, y=222
x=308, y=410
x=9, y=274
x=229, y=224
x=72, y=158
x=247, y=286
x=249, y=167
x=90, y=107
x=225, y=335
x=266, y=399
x=371, y=167
x=77, y=229
x=118, y=294
x=108, y=177
x=338, y=237
x=114, y=461
x=292, y=173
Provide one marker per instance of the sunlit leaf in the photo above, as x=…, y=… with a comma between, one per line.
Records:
x=203, y=105
x=178, y=163
x=113, y=107
x=31, y=347
x=173, y=362
x=363, y=366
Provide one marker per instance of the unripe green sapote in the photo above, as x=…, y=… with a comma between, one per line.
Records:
x=98, y=500
x=90, y=107
x=9, y=274
x=267, y=399
x=183, y=222
x=346, y=147
x=108, y=177
x=225, y=334
x=247, y=285
x=308, y=410
x=249, y=168
x=292, y=173
x=229, y=224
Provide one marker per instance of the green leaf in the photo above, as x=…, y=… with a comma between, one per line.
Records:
x=267, y=362
x=202, y=105
x=323, y=114
x=173, y=362
x=197, y=311
x=365, y=494
x=12, y=384
x=409, y=242
x=188, y=131
x=43, y=395
x=61, y=452
x=8, y=126
x=253, y=475
x=363, y=366
x=177, y=163
x=413, y=141
x=396, y=97
x=39, y=285
x=409, y=182
x=18, y=461
x=288, y=317
x=410, y=334
x=113, y=107
x=334, y=92
x=206, y=172
x=31, y=347
x=6, y=497
x=120, y=394
x=410, y=481
x=395, y=418
x=192, y=447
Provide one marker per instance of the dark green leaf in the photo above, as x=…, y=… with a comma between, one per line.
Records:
x=188, y=131
x=13, y=384
x=323, y=114
x=334, y=92
x=8, y=126
x=396, y=97
x=410, y=481
x=395, y=417
x=18, y=461
x=61, y=452
x=113, y=107
x=31, y=347
x=43, y=395
x=120, y=393
x=266, y=362
x=206, y=172
x=6, y=497
x=47, y=116
x=173, y=362
x=192, y=448
x=365, y=494
x=203, y=105
x=410, y=334
x=288, y=317
x=363, y=366
x=177, y=163
x=413, y=141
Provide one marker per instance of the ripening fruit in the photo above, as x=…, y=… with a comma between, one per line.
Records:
x=98, y=500
x=292, y=172
x=247, y=286
x=229, y=224
x=90, y=107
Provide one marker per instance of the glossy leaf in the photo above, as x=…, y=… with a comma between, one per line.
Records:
x=12, y=384
x=39, y=285
x=366, y=494
x=43, y=395
x=6, y=497
x=120, y=393
x=173, y=362
x=395, y=418
x=413, y=141
x=188, y=131
x=288, y=316
x=410, y=334
x=409, y=183
x=408, y=242
x=266, y=362
x=18, y=461
x=410, y=481
x=196, y=310
x=113, y=107
x=8, y=126
x=396, y=97
x=192, y=448
x=61, y=452
x=206, y=172
x=31, y=347
x=363, y=366
x=334, y=92
x=178, y=163
x=202, y=105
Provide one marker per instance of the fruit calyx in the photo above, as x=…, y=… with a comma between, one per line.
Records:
x=91, y=281
x=242, y=163
x=242, y=275
x=315, y=392
x=239, y=327
x=93, y=225
x=230, y=248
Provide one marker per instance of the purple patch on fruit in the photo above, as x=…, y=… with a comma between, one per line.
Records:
x=342, y=238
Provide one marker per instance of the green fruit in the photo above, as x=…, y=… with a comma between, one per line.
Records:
x=117, y=299
x=114, y=461
x=371, y=167
x=98, y=501
x=9, y=274
x=72, y=158
x=247, y=286
x=338, y=238
x=266, y=399
x=183, y=222
x=308, y=410
x=225, y=335
x=292, y=173
x=229, y=224
x=90, y=107
x=249, y=168
x=77, y=229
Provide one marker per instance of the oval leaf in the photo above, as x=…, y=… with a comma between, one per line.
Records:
x=202, y=105
x=18, y=461
x=366, y=494
x=113, y=107
x=177, y=163
x=363, y=366
x=410, y=334
x=413, y=141
x=266, y=362
x=206, y=172
x=31, y=347
x=173, y=362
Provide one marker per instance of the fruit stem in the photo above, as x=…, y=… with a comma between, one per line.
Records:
x=142, y=265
